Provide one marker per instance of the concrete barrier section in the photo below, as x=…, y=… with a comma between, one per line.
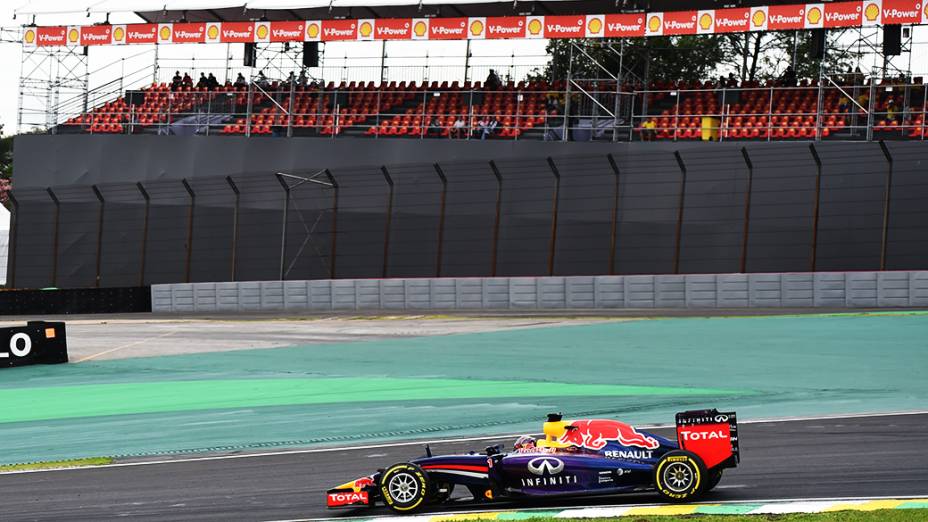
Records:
x=792, y=290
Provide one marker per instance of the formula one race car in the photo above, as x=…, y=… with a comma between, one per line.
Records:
x=581, y=457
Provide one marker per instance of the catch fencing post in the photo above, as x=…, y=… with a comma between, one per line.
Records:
x=615, y=215
x=235, y=210
x=815, y=210
x=499, y=202
x=102, y=201
x=190, y=209
x=747, y=211
x=682, y=201
x=441, y=218
x=144, y=231
x=283, y=226
x=887, y=191
x=557, y=197
x=389, y=220
x=52, y=195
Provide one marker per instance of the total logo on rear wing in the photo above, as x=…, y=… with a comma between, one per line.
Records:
x=711, y=434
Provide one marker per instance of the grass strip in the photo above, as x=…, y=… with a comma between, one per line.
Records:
x=880, y=515
x=56, y=464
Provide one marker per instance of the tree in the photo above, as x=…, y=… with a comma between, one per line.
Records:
x=6, y=166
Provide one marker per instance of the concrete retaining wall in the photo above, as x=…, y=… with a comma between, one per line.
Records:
x=823, y=289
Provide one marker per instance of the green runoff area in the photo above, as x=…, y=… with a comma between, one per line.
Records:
x=502, y=382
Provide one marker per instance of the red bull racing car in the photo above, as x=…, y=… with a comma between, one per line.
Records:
x=580, y=457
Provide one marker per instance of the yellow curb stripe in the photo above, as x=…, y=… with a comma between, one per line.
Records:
x=871, y=505
x=662, y=510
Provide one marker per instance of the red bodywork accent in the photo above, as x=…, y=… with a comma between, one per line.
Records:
x=712, y=442
x=461, y=467
x=595, y=434
x=347, y=498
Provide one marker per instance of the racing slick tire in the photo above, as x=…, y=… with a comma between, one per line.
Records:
x=404, y=487
x=680, y=476
x=714, y=477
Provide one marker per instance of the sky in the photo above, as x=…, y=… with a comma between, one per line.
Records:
x=348, y=60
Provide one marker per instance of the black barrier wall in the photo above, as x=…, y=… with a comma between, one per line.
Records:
x=629, y=209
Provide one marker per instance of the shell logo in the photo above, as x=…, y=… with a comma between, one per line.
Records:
x=261, y=32
x=705, y=21
x=29, y=37
x=213, y=32
x=814, y=16
x=366, y=29
x=419, y=29
x=926, y=11
x=73, y=35
x=165, y=33
x=312, y=30
x=534, y=27
x=476, y=28
x=118, y=34
x=872, y=12
x=654, y=23
x=595, y=26
x=759, y=18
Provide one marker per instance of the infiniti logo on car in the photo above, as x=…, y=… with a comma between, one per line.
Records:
x=541, y=465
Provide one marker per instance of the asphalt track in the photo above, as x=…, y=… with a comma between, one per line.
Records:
x=823, y=458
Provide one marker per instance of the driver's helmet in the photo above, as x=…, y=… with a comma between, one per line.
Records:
x=525, y=442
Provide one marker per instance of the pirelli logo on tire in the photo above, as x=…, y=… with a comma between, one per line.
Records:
x=38, y=342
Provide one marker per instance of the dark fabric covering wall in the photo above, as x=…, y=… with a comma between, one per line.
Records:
x=575, y=216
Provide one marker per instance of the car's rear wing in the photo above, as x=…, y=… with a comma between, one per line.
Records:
x=711, y=434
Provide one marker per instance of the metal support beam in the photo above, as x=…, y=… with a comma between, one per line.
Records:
x=235, y=213
x=147, y=198
x=615, y=215
x=389, y=222
x=441, y=218
x=99, y=195
x=334, y=231
x=190, y=210
x=552, y=246
x=742, y=266
x=815, y=210
x=54, y=274
x=680, y=204
x=499, y=202
x=283, y=226
x=887, y=199
x=11, y=257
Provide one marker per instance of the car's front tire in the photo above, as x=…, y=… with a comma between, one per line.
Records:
x=680, y=476
x=404, y=487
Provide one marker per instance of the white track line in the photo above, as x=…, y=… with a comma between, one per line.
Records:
x=422, y=442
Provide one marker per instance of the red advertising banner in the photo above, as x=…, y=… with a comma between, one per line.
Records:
x=506, y=27
x=679, y=22
x=189, y=33
x=335, y=30
x=96, y=35
x=565, y=26
x=142, y=33
x=732, y=20
x=287, y=31
x=236, y=32
x=784, y=17
x=393, y=29
x=901, y=11
x=624, y=25
x=447, y=29
x=842, y=14
x=46, y=36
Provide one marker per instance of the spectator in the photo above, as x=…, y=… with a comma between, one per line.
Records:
x=261, y=80
x=187, y=81
x=647, y=130
x=481, y=126
x=490, y=127
x=891, y=111
x=435, y=127
x=177, y=81
x=457, y=128
x=493, y=82
x=211, y=82
x=302, y=79
x=240, y=82
x=202, y=83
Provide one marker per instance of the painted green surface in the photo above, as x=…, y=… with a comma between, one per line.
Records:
x=500, y=382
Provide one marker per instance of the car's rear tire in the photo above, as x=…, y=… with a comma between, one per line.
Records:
x=404, y=487
x=680, y=476
x=714, y=477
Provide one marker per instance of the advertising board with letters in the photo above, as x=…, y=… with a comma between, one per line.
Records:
x=38, y=342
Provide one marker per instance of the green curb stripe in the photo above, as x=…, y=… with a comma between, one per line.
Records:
x=727, y=509
x=525, y=515
x=915, y=504
x=94, y=400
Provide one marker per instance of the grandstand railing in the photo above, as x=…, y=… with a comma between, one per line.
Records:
x=598, y=110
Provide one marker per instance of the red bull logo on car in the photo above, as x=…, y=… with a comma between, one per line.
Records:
x=595, y=434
